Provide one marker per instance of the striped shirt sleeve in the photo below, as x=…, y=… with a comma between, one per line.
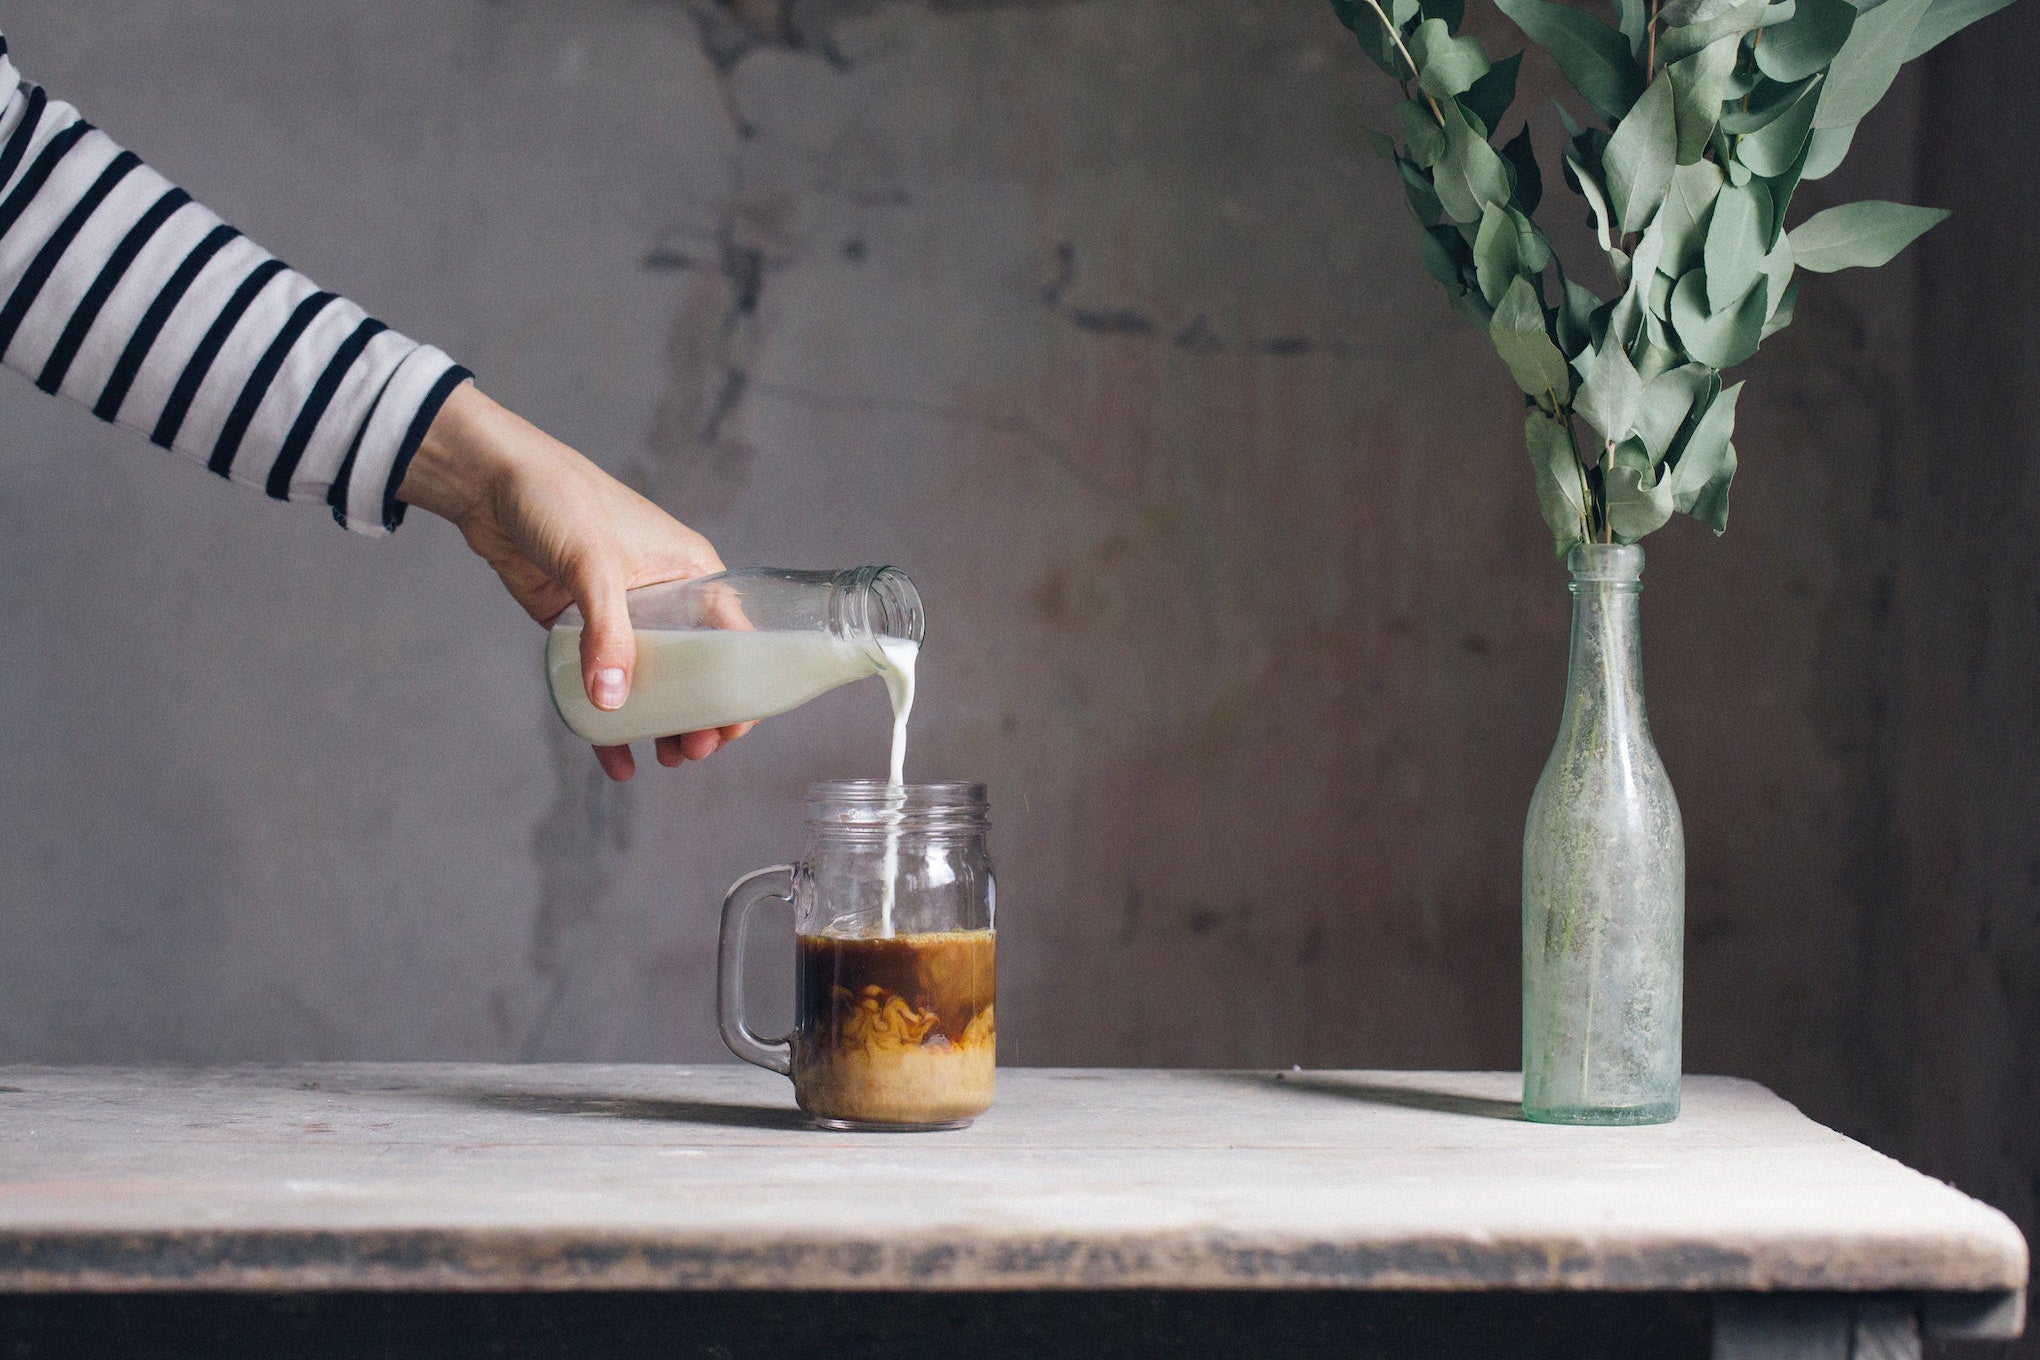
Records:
x=120, y=292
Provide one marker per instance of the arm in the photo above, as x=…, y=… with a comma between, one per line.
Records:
x=121, y=293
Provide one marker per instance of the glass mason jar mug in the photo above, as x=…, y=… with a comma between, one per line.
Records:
x=894, y=946
x=740, y=645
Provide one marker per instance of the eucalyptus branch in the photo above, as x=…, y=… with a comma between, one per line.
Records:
x=1692, y=174
x=1396, y=34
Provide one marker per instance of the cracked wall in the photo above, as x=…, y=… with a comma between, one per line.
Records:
x=1101, y=320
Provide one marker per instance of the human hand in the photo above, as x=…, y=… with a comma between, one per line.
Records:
x=559, y=530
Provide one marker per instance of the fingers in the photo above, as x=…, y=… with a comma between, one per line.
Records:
x=677, y=750
x=608, y=648
x=616, y=762
x=735, y=730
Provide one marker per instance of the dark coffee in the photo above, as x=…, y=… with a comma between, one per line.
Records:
x=898, y=1030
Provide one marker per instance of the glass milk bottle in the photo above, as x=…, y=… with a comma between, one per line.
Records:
x=741, y=645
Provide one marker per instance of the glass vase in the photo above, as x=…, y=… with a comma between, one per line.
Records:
x=1604, y=879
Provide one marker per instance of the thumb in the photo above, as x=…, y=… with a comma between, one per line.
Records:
x=608, y=647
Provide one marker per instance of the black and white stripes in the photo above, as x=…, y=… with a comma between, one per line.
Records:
x=120, y=292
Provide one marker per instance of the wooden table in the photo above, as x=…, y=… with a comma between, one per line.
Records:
x=1367, y=1212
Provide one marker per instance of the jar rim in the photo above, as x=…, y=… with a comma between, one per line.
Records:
x=875, y=804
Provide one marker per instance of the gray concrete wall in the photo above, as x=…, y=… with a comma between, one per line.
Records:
x=1102, y=321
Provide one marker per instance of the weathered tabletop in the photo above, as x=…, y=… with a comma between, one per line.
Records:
x=582, y=1177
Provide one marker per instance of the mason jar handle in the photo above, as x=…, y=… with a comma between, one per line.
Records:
x=766, y=885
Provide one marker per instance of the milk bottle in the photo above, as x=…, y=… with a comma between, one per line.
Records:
x=747, y=644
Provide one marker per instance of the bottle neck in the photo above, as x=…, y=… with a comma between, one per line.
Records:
x=1604, y=682
x=867, y=604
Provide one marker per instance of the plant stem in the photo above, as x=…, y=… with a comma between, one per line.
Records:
x=1649, y=45
x=1396, y=35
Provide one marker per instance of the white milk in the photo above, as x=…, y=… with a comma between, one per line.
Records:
x=900, y=655
x=691, y=679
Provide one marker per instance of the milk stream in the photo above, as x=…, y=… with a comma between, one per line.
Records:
x=900, y=655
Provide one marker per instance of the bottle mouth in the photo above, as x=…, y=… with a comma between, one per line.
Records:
x=1618, y=562
x=878, y=602
x=872, y=807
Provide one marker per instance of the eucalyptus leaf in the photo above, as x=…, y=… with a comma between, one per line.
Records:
x=1383, y=144
x=1639, y=501
x=1495, y=261
x=1575, y=322
x=1680, y=13
x=1421, y=133
x=1451, y=11
x=1423, y=199
x=1781, y=315
x=1868, y=62
x=1560, y=495
x=1797, y=49
x=1402, y=11
x=1676, y=44
x=1944, y=19
x=1488, y=98
x=1657, y=300
x=1522, y=162
x=1859, y=235
x=1734, y=255
x=1721, y=339
x=1767, y=99
x=1470, y=174
x=1698, y=85
x=1775, y=148
x=1608, y=393
x=1632, y=17
x=1825, y=149
x=1706, y=463
x=1445, y=256
x=1661, y=411
x=1519, y=334
x=1593, y=56
x=1683, y=219
x=1446, y=65
x=1372, y=33
x=1641, y=155
x=1597, y=201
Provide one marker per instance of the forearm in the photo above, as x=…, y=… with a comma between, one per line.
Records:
x=120, y=292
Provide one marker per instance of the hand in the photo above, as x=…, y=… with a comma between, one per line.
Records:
x=559, y=530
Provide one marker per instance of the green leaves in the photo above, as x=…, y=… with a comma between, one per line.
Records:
x=1594, y=57
x=1640, y=156
x=1609, y=392
x=1470, y=174
x=1519, y=334
x=1774, y=148
x=1688, y=184
x=1868, y=62
x=1561, y=486
x=1489, y=97
x=1859, y=235
x=1699, y=84
x=1720, y=339
x=1735, y=252
x=1445, y=65
x=1807, y=42
x=1944, y=19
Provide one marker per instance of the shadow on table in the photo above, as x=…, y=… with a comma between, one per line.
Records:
x=1380, y=1093
x=653, y=1109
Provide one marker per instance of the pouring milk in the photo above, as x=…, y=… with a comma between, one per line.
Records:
x=750, y=644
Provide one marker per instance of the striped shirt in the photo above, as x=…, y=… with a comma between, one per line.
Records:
x=120, y=292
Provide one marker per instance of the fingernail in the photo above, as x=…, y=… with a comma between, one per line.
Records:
x=609, y=688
